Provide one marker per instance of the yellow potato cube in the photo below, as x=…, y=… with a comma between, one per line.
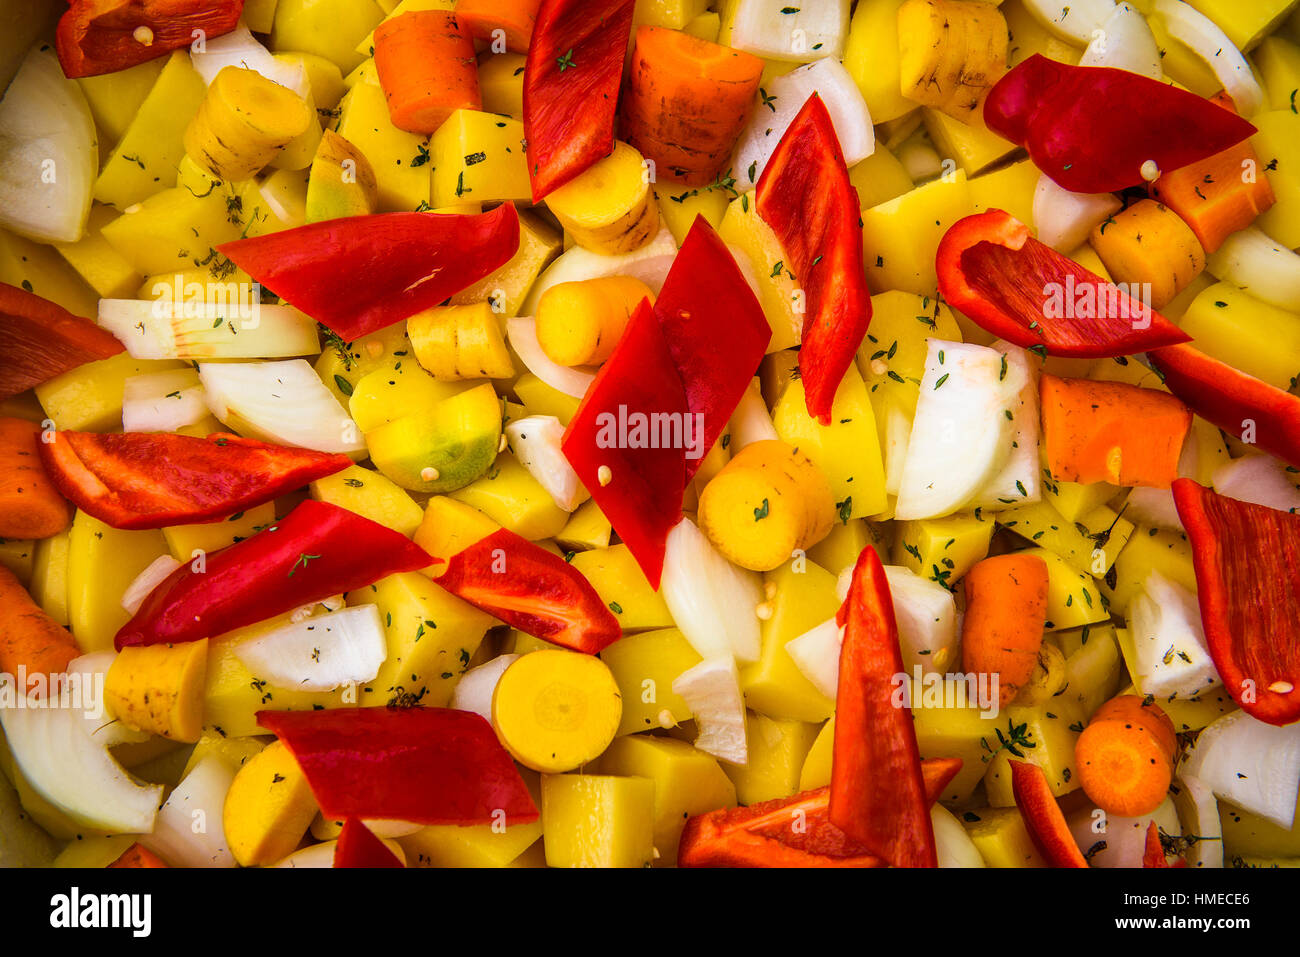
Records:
x=1000, y=835
x=593, y=820
x=943, y=549
x=479, y=155
x=450, y=526
x=816, y=770
x=510, y=496
x=971, y=145
x=268, y=807
x=621, y=584
x=1254, y=336
x=1052, y=729
x=644, y=666
x=107, y=271
x=540, y=399
x=187, y=542
x=39, y=269
x=115, y=98
x=899, y=237
x=778, y=294
x=506, y=288
x=1148, y=550
x=50, y=576
x=1010, y=188
x=871, y=55
x=371, y=494
x=478, y=845
x=587, y=528
x=328, y=28
x=398, y=157
x=102, y=562
x=777, y=750
x=501, y=84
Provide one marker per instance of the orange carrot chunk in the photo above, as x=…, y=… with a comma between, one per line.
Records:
x=1006, y=610
x=515, y=18
x=1111, y=432
x=426, y=67
x=1138, y=711
x=30, y=505
x=1123, y=767
x=138, y=856
x=687, y=102
x=29, y=638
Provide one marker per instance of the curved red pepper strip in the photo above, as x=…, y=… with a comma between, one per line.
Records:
x=533, y=590
x=99, y=36
x=1043, y=817
x=1091, y=128
x=316, y=551
x=40, y=340
x=689, y=357
x=1232, y=400
x=139, y=480
x=1247, y=560
x=1153, y=853
x=877, y=789
x=358, y=847
x=424, y=765
x=571, y=81
x=361, y=273
x=1025, y=292
x=805, y=195
x=764, y=835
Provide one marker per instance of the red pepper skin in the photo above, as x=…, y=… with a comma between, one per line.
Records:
x=1247, y=560
x=715, y=330
x=571, y=81
x=1091, y=128
x=424, y=765
x=358, y=847
x=533, y=590
x=1230, y=398
x=805, y=195
x=316, y=551
x=137, y=480
x=361, y=273
x=877, y=788
x=761, y=835
x=40, y=340
x=1043, y=817
x=1153, y=854
x=97, y=36
x=993, y=271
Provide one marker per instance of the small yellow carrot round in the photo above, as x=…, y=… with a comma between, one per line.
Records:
x=460, y=342
x=243, y=122
x=579, y=323
x=555, y=710
x=159, y=689
x=609, y=208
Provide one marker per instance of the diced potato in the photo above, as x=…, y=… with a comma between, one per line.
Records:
x=450, y=526
x=1010, y=188
x=777, y=749
x=501, y=84
x=679, y=209
x=540, y=399
x=1044, y=525
x=49, y=585
x=372, y=495
x=39, y=269
x=479, y=155
x=173, y=228
x=510, y=496
x=115, y=98
x=478, y=845
x=1278, y=146
x=102, y=562
x=964, y=733
x=644, y=666
x=268, y=807
x=1053, y=729
x=506, y=288
x=187, y=542
x=1148, y=550
x=1245, y=21
x=1028, y=36
x=398, y=157
x=879, y=178
x=235, y=752
x=1000, y=835
x=943, y=549
x=1073, y=598
x=745, y=230
x=1074, y=500
x=816, y=771
x=593, y=820
x=587, y=528
x=841, y=548
x=1248, y=835
x=1092, y=665
x=871, y=55
x=1277, y=60
x=621, y=584
x=1258, y=338
x=329, y=28
x=971, y=145
x=899, y=237
x=107, y=271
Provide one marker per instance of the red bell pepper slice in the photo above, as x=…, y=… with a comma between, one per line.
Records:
x=316, y=551
x=139, y=480
x=1231, y=399
x=533, y=590
x=101, y=36
x=423, y=765
x=1018, y=289
x=361, y=273
x=571, y=81
x=689, y=357
x=789, y=832
x=1247, y=560
x=1153, y=852
x=877, y=789
x=805, y=195
x=40, y=340
x=1091, y=128
x=1043, y=817
x=358, y=847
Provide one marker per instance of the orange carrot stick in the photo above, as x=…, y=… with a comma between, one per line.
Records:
x=427, y=69
x=28, y=637
x=1111, y=432
x=1123, y=767
x=688, y=102
x=516, y=18
x=1006, y=609
x=138, y=856
x=30, y=505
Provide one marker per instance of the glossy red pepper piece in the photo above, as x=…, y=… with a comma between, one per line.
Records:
x=358, y=847
x=805, y=195
x=571, y=81
x=423, y=765
x=533, y=590
x=40, y=340
x=1091, y=128
x=100, y=36
x=1153, y=852
x=1043, y=817
x=766, y=835
x=361, y=273
x=316, y=551
x=1247, y=560
x=1233, y=400
x=877, y=788
x=1018, y=289
x=139, y=480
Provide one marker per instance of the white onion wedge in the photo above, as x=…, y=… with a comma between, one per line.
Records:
x=1248, y=763
x=475, y=688
x=751, y=422
x=1203, y=37
x=1153, y=507
x=1253, y=261
x=1020, y=478
x=163, y=401
x=711, y=690
x=147, y=581
x=1064, y=219
x=780, y=30
x=1202, y=826
x=712, y=601
x=189, y=830
x=319, y=653
x=48, y=156
x=926, y=614
x=953, y=844
x=166, y=329
x=1075, y=22
x=650, y=264
x=240, y=48
x=1124, y=42
x=522, y=333
x=1259, y=479
x=816, y=653
x=1173, y=657
x=535, y=441
x=283, y=402
x=785, y=98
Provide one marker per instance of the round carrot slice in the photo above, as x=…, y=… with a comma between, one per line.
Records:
x=1123, y=767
